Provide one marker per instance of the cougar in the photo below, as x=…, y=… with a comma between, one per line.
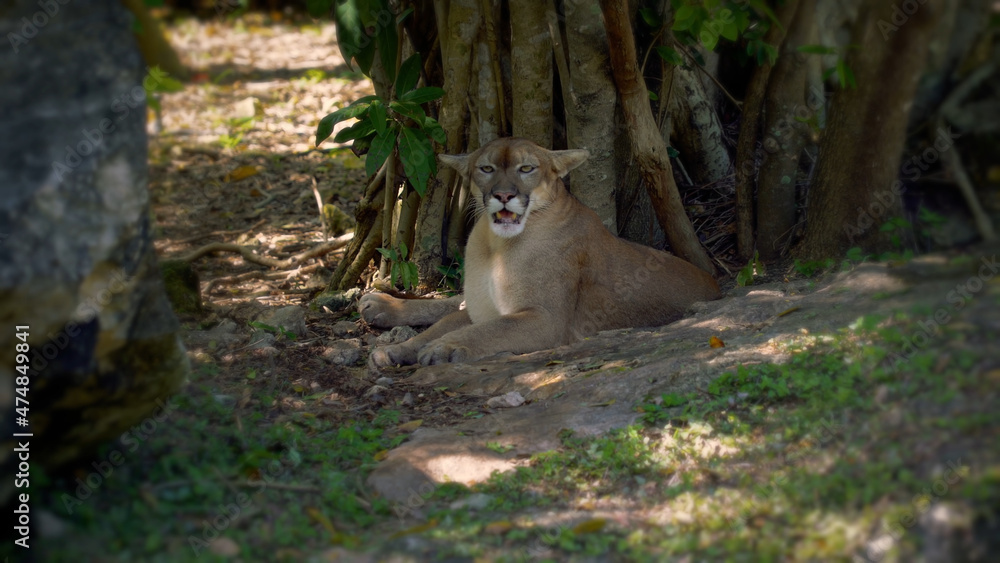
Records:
x=541, y=270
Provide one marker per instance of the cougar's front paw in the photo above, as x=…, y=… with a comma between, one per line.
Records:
x=392, y=355
x=380, y=310
x=443, y=352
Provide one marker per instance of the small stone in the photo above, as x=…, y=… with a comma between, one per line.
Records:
x=374, y=390
x=344, y=328
x=384, y=381
x=247, y=108
x=407, y=399
x=475, y=501
x=291, y=318
x=227, y=326
x=395, y=336
x=508, y=400
x=224, y=547
x=343, y=352
x=225, y=400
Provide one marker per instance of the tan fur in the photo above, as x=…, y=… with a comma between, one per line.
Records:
x=561, y=278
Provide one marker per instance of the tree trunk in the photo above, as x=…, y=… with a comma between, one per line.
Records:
x=785, y=135
x=531, y=70
x=746, y=145
x=431, y=243
x=590, y=98
x=697, y=131
x=651, y=150
x=856, y=187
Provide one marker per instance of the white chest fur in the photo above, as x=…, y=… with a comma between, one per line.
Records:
x=484, y=281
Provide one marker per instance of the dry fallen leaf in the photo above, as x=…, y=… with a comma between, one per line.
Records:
x=498, y=527
x=322, y=520
x=410, y=426
x=716, y=342
x=242, y=173
x=590, y=526
x=380, y=455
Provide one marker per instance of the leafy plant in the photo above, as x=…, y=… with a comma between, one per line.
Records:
x=276, y=330
x=844, y=74
x=384, y=126
x=402, y=271
x=453, y=274
x=753, y=268
x=809, y=268
x=708, y=21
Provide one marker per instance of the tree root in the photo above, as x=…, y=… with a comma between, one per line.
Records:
x=254, y=258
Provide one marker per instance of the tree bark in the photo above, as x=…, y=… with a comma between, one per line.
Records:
x=457, y=39
x=651, y=150
x=697, y=131
x=860, y=151
x=531, y=70
x=746, y=145
x=590, y=98
x=785, y=135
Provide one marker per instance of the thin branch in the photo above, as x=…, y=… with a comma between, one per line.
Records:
x=252, y=257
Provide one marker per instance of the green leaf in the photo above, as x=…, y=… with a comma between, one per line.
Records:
x=761, y=6
x=352, y=32
x=817, y=50
x=729, y=31
x=844, y=75
x=358, y=108
x=402, y=250
x=651, y=18
x=409, y=74
x=684, y=17
x=389, y=253
x=422, y=95
x=394, y=273
x=670, y=55
x=652, y=95
x=708, y=38
x=361, y=145
x=387, y=41
x=380, y=149
x=377, y=116
x=356, y=131
x=418, y=159
x=409, y=109
x=434, y=130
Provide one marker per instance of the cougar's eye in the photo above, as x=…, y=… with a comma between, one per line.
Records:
x=526, y=168
x=486, y=169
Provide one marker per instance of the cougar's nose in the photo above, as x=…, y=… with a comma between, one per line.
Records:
x=504, y=197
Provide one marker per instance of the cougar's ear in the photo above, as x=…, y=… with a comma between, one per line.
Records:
x=564, y=161
x=459, y=162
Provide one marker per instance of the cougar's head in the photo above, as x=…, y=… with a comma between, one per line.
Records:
x=511, y=178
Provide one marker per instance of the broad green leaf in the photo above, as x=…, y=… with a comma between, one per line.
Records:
x=388, y=41
x=434, y=130
x=380, y=150
x=652, y=95
x=684, y=17
x=361, y=145
x=761, y=6
x=708, y=38
x=356, y=109
x=352, y=33
x=651, y=18
x=319, y=8
x=394, y=273
x=422, y=95
x=409, y=109
x=376, y=114
x=418, y=158
x=356, y=131
x=670, y=55
x=402, y=250
x=729, y=31
x=409, y=74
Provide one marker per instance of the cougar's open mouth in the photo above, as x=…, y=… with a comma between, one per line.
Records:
x=506, y=217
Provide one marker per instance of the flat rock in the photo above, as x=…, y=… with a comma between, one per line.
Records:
x=345, y=328
x=343, y=352
x=291, y=318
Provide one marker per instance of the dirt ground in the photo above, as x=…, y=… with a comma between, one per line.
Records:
x=775, y=424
